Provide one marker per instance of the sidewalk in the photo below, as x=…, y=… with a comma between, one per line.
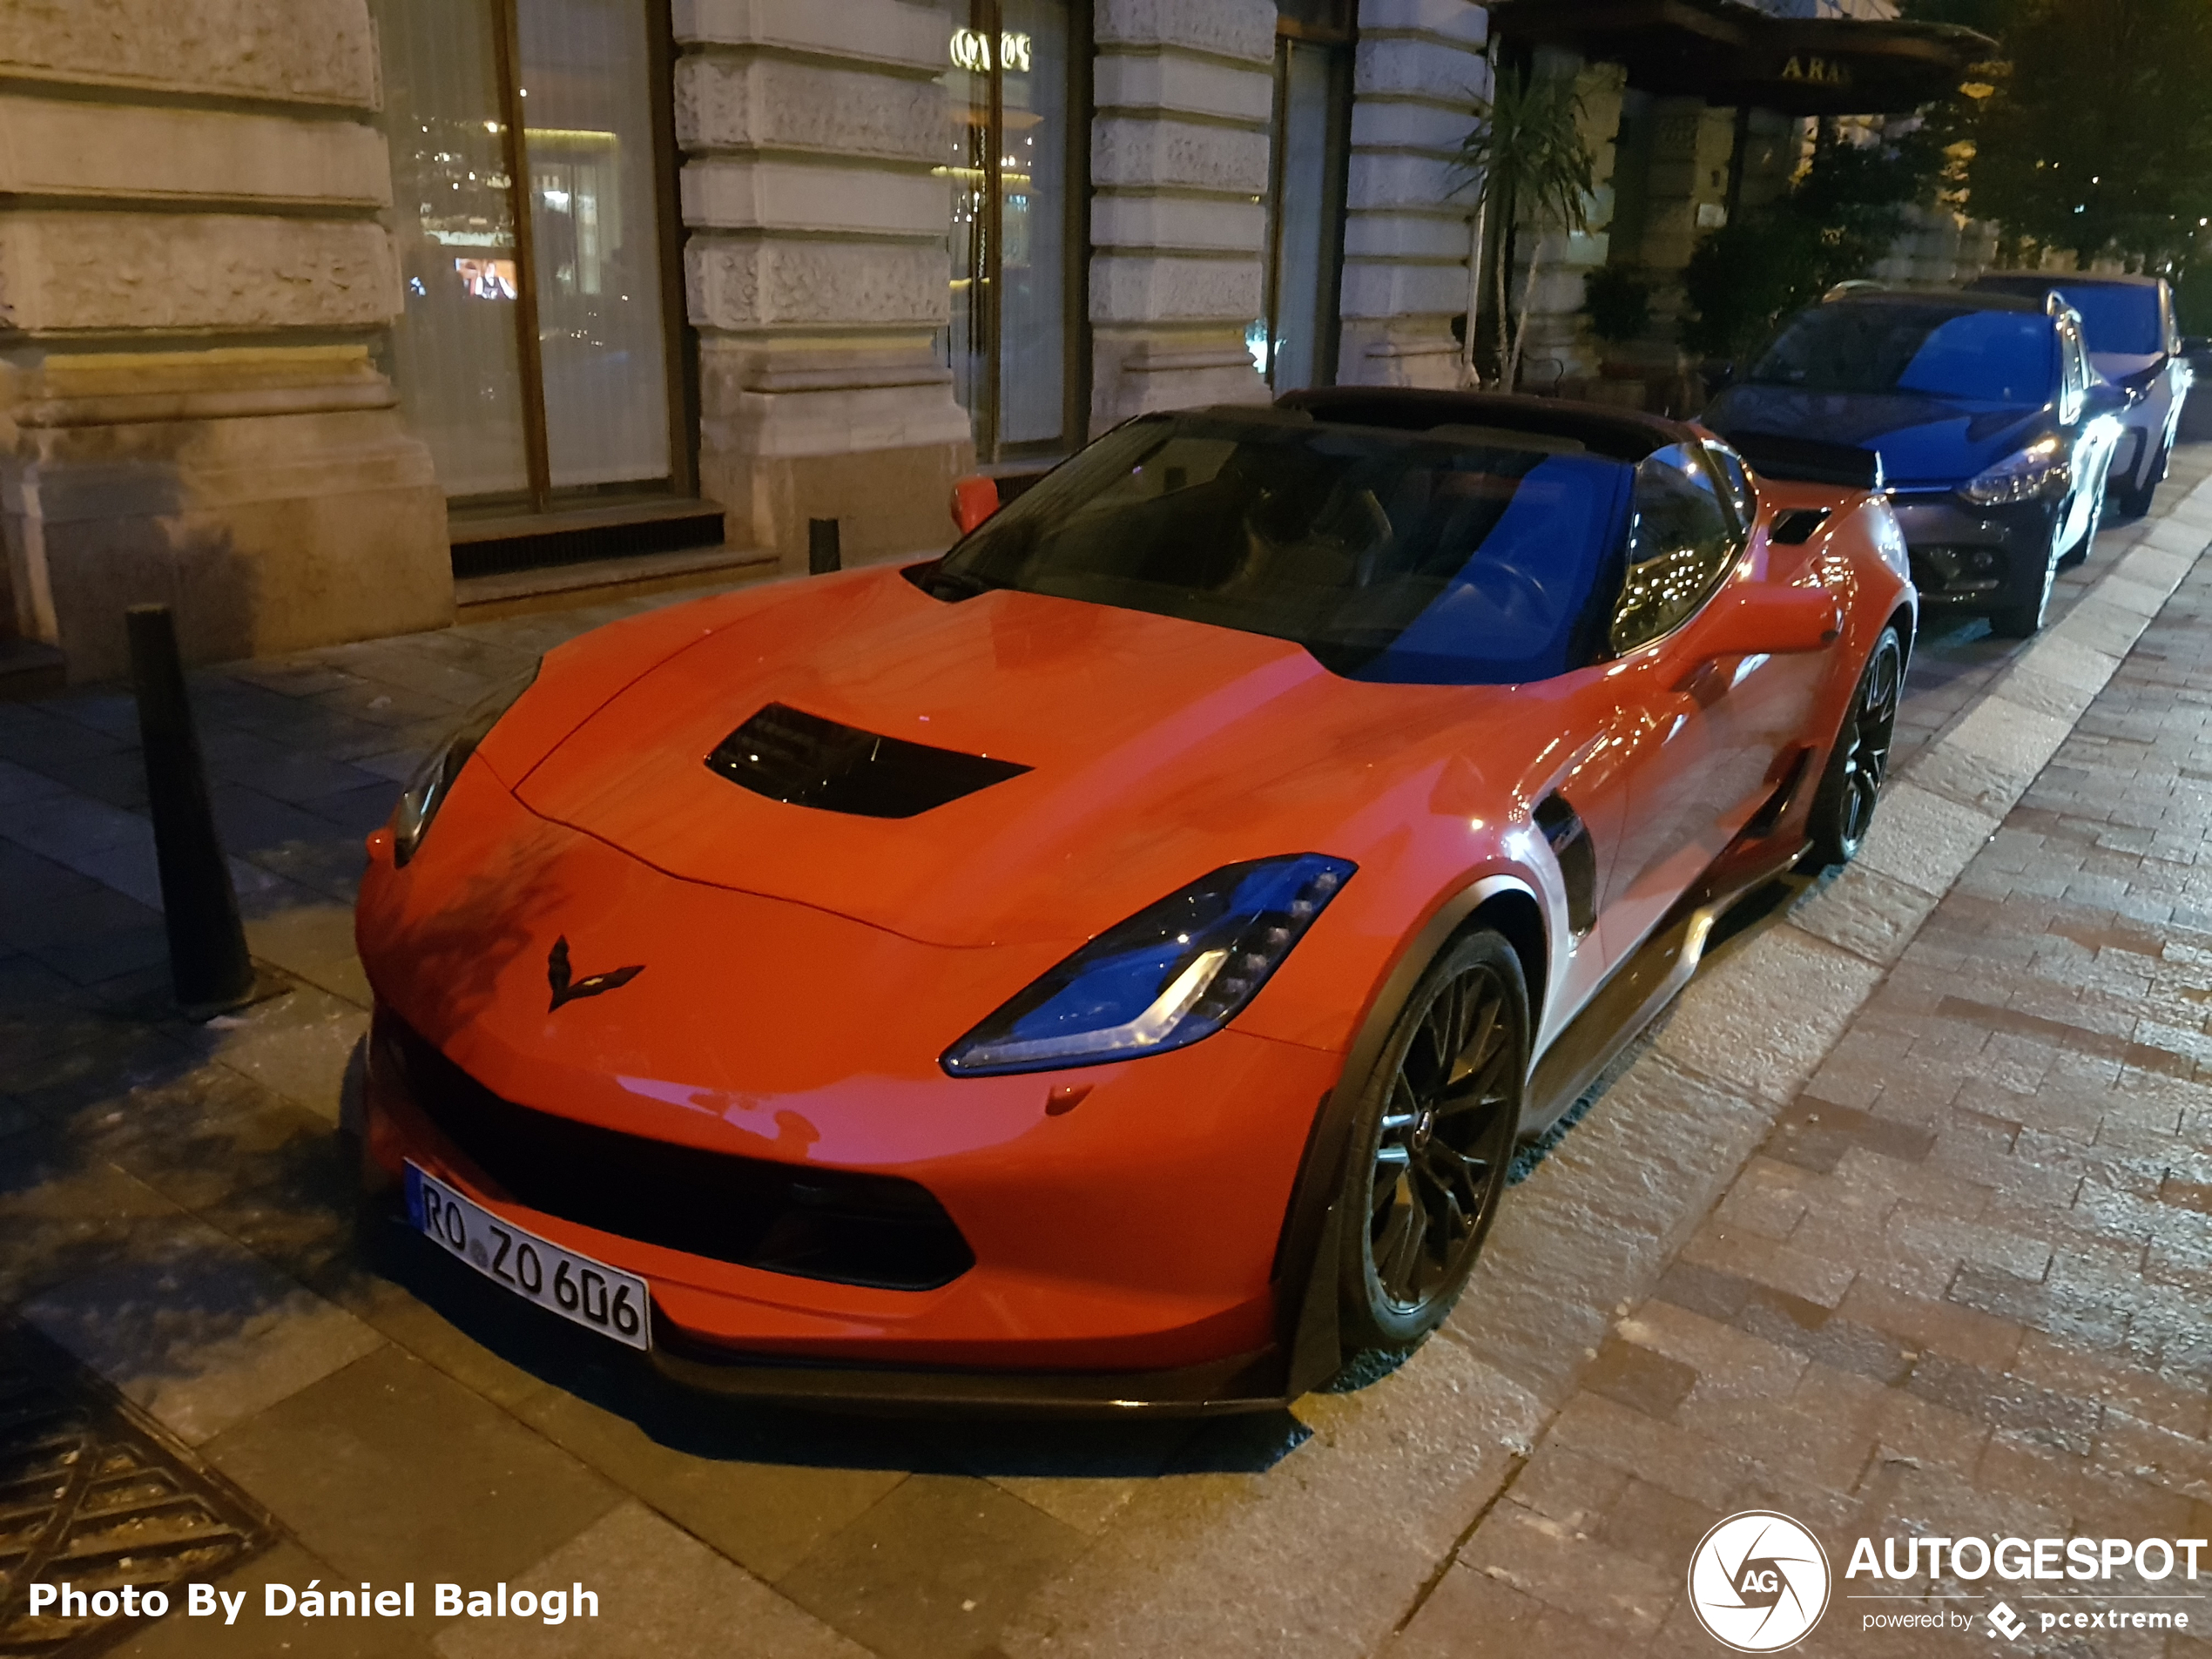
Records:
x=173, y=1213
x=1959, y=1290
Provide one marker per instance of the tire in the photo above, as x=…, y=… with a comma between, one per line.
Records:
x=2135, y=501
x=1430, y=1146
x=1843, y=806
x=2024, y=622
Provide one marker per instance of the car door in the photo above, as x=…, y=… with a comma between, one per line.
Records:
x=1712, y=734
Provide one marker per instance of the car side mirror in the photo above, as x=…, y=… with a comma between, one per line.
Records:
x=975, y=499
x=1764, y=619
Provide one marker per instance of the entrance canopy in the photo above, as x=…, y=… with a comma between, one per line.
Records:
x=1730, y=53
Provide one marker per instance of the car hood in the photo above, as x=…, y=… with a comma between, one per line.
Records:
x=1156, y=749
x=1922, y=440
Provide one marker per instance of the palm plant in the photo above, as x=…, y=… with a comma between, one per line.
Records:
x=1527, y=159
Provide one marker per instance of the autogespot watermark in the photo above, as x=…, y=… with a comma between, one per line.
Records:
x=1759, y=1581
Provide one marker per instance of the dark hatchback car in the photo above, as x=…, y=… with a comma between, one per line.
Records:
x=2128, y=325
x=1993, y=432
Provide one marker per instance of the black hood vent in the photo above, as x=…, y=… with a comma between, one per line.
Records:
x=790, y=755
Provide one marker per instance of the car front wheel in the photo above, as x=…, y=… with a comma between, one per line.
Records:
x=1842, y=807
x=1431, y=1144
x=2135, y=500
x=2024, y=621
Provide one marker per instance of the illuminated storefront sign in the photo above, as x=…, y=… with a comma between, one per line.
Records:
x=972, y=51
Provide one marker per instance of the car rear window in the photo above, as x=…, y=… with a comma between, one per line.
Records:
x=1936, y=350
x=1487, y=558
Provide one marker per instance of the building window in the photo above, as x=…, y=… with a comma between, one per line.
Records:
x=1015, y=96
x=536, y=354
x=1295, y=345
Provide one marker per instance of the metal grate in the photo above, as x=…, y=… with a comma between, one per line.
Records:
x=93, y=1492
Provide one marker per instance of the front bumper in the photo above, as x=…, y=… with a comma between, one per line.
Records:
x=1968, y=558
x=770, y=1335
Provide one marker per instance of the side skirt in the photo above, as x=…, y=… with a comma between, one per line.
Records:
x=1637, y=992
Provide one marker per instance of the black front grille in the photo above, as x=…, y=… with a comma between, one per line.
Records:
x=1952, y=572
x=836, y=1224
x=790, y=755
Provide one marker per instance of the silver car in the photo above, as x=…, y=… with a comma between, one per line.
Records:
x=2134, y=343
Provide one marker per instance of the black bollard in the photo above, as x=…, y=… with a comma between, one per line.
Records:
x=823, y=554
x=207, y=959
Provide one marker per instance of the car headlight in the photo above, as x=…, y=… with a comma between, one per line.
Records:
x=2036, y=473
x=1175, y=972
x=433, y=781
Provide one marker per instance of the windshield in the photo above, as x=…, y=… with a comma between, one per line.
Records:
x=1481, y=558
x=2121, y=320
x=1936, y=351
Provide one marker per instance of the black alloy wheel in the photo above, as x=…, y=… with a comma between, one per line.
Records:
x=1843, y=808
x=1431, y=1145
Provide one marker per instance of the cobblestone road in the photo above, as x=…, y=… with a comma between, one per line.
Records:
x=1949, y=1279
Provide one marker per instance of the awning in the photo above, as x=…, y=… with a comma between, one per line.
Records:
x=1730, y=53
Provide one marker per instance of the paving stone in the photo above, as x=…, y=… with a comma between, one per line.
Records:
x=659, y=1592
x=1865, y=912
x=1576, y=1490
x=1764, y=1022
x=203, y=1335
x=296, y=1045
x=1471, y=1615
x=1940, y=1327
x=934, y=1570
x=1923, y=839
x=389, y=1471
x=314, y=942
x=1637, y=1377
x=765, y=1489
x=1607, y=1586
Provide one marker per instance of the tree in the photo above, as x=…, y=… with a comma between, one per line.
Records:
x=1528, y=162
x=1836, y=223
x=2096, y=134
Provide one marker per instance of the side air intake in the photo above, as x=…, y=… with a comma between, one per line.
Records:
x=789, y=755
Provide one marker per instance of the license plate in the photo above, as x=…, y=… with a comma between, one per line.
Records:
x=581, y=1291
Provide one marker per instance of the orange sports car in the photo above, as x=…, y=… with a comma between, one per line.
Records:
x=1111, y=966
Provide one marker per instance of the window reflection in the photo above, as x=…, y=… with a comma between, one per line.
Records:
x=1007, y=157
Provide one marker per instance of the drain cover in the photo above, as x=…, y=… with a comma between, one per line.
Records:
x=93, y=1492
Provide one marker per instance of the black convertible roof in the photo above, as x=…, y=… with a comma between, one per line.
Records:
x=1623, y=434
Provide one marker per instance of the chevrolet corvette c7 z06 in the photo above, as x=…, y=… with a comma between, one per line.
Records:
x=1110, y=966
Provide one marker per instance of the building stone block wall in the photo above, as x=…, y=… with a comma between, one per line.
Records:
x=815, y=268
x=1183, y=90
x=1408, y=208
x=193, y=276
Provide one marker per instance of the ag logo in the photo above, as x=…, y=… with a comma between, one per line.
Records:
x=1759, y=1581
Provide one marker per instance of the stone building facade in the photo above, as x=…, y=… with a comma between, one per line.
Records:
x=192, y=274
x=303, y=300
